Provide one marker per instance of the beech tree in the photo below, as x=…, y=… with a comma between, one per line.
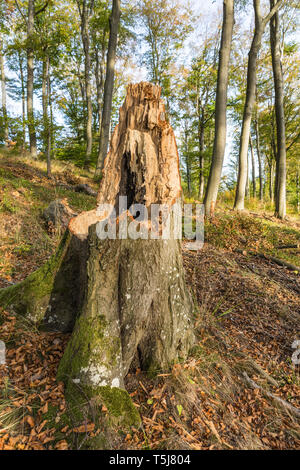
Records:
x=280, y=188
x=260, y=25
x=3, y=91
x=85, y=8
x=114, y=22
x=221, y=105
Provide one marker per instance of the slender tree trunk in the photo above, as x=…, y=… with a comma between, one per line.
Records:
x=30, y=76
x=187, y=163
x=85, y=14
x=46, y=120
x=271, y=182
x=51, y=137
x=280, y=196
x=45, y=102
x=247, y=189
x=23, y=101
x=3, y=92
x=260, y=25
x=253, y=167
x=260, y=170
x=220, y=114
x=114, y=22
x=298, y=191
x=99, y=75
x=201, y=159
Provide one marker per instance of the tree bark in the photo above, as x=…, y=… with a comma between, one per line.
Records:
x=46, y=120
x=201, y=162
x=259, y=157
x=253, y=168
x=280, y=195
x=128, y=298
x=49, y=122
x=30, y=76
x=3, y=92
x=23, y=101
x=220, y=113
x=114, y=22
x=99, y=75
x=260, y=25
x=85, y=11
x=298, y=191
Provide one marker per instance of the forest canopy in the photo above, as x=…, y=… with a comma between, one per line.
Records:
x=53, y=68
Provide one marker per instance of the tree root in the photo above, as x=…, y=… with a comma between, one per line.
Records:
x=292, y=409
x=278, y=261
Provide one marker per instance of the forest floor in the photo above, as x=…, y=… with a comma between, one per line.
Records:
x=219, y=398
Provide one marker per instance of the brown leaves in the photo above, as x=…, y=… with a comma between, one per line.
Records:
x=31, y=373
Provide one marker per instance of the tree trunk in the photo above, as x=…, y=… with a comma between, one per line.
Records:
x=201, y=156
x=298, y=191
x=85, y=14
x=114, y=22
x=247, y=189
x=260, y=25
x=30, y=74
x=23, y=101
x=220, y=113
x=46, y=123
x=3, y=92
x=271, y=182
x=253, y=168
x=280, y=196
x=260, y=169
x=99, y=75
x=127, y=297
x=49, y=120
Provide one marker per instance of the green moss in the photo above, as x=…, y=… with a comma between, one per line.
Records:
x=88, y=345
x=119, y=405
x=31, y=296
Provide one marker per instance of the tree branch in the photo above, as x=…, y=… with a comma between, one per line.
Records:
x=43, y=8
x=91, y=7
x=293, y=141
x=79, y=8
x=272, y=12
x=20, y=11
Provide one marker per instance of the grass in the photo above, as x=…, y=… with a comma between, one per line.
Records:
x=248, y=232
x=25, y=191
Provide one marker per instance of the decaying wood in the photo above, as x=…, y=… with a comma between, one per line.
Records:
x=128, y=298
x=135, y=287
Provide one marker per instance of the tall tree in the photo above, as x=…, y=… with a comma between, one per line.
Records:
x=220, y=113
x=165, y=25
x=253, y=167
x=114, y=22
x=260, y=25
x=3, y=91
x=85, y=8
x=259, y=158
x=30, y=76
x=280, y=190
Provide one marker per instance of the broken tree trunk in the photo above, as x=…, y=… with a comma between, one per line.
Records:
x=129, y=298
x=137, y=303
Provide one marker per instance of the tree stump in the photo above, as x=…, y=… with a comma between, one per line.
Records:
x=129, y=301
